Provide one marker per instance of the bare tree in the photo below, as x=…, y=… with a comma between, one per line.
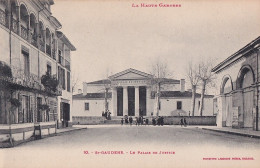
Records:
x=160, y=73
x=193, y=78
x=207, y=78
x=75, y=80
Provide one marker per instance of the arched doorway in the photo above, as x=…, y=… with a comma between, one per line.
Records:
x=244, y=82
x=226, y=88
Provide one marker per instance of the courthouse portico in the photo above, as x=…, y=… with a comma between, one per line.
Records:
x=131, y=93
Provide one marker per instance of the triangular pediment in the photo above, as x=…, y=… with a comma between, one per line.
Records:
x=130, y=74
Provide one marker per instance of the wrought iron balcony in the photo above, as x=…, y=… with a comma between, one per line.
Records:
x=67, y=64
x=48, y=49
x=24, y=32
x=42, y=46
x=34, y=40
x=3, y=18
x=14, y=26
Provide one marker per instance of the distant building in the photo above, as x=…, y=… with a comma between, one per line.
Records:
x=132, y=93
x=31, y=46
x=237, y=99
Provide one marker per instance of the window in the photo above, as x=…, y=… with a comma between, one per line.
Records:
x=86, y=106
x=60, y=58
x=49, y=69
x=68, y=81
x=26, y=62
x=179, y=105
x=61, y=77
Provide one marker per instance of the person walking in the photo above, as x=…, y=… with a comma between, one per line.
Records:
x=181, y=122
x=130, y=120
x=185, y=122
x=122, y=121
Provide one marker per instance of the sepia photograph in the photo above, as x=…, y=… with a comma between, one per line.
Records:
x=129, y=83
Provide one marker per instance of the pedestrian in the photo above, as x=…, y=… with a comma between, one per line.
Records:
x=181, y=122
x=103, y=114
x=106, y=114
x=122, y=121
x=130, y=120
x=136, y=121
x=146, y=121
x=154, y=122
x=159, y=121
x=140, y=120
x=185, y=122
x=162, y=122
x=126, y=120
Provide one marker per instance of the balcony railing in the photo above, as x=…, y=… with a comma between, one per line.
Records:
x=24, y=32
x=61, y=60
x=53, y=54
x=21, y=81
x=42, y=48
x=2, y=18
x=34, y=40
x=67, y=64
x=48, y=49
x=14, y=26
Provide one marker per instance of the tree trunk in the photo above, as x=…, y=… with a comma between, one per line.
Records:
x=106, y=104
x=194, y=87
x=202, y=97
x=158, y=99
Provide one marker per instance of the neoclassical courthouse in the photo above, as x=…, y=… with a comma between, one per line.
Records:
x=237, y=99
x=131, y=93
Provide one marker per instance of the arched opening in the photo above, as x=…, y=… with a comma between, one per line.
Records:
x=33, y=28
x=227, y=85
x=245, y=77
x=24, y=16
x=41, y=37
x=244, y=82
x=48, y=42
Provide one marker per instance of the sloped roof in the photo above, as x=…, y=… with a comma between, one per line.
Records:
x=92, y=96
x=237, y=55
x=128, y=71
x=179, y=94
x=104, y=81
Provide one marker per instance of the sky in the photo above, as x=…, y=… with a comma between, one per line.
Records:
x=112, y=36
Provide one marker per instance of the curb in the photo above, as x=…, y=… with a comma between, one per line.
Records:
x=233, y=133
x=70, y=131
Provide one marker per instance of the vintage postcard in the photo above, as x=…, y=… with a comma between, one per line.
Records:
x=129, y=83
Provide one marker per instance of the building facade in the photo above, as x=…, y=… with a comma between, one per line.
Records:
x=237, y=99
x=32, y=47
x=132, y=92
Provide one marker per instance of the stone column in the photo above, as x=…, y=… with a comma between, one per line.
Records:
x=114, y=101
x=148, y=101
x=125, y=101
x=137, y=101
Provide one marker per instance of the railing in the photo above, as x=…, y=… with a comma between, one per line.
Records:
x=34, y=40
x=24, y=32
x=42, y=48
x=48, y=49
x=14, y=26
x=53, y=54
x=67, y=64
x=61, y=60
x=2, y=18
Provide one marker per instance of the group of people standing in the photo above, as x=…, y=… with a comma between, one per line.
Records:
x=138, y=120
x=158, y=121
x=106, y=114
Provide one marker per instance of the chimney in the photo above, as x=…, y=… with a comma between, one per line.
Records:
x=79, y=91
x=182, y=85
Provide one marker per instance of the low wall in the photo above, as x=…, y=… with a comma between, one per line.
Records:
x=83, y=120
x=194, y=120
x=43, y=129
x=168, y=120
x=11, y=135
